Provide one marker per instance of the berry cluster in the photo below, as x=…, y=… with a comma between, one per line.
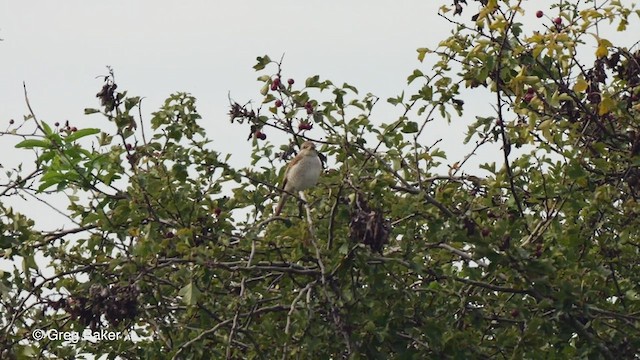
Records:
x=118, y=303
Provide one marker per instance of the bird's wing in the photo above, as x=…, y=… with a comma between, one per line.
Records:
x=284, y=178
x=291, y=164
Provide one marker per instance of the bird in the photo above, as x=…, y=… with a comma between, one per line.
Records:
x=302, y=172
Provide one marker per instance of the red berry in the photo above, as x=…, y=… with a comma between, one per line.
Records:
x=309, y=107
x=539, y=14
x=290, y=81
x=557, y=21
x=528, y=97
x=129, y=147
x=486, y=232
x=74, y=129
x=305, y=126
x=217, y=211
x=515, y=313
x=278, y=103
x=275, y=84
x=530, y=90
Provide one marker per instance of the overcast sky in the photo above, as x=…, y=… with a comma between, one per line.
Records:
x=208, y=48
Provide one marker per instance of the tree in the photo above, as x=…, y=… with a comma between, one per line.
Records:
x=534, y=256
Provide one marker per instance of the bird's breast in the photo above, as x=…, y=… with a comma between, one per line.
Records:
x=305, y=174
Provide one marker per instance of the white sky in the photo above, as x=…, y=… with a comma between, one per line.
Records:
x=208, y=48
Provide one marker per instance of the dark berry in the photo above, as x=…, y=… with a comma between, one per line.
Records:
x=290, y=81
x=260, y=135
x=278, y=103
x=539, y=14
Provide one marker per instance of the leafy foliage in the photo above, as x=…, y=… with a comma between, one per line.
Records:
x=534, y=256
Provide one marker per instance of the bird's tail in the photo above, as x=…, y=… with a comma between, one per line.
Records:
x=281, y=203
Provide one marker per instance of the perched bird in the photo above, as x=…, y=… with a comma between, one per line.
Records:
x=301, y=173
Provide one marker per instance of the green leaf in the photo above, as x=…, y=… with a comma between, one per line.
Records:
x=352, y=88
x=129, y=103
x=89, y=111
x=265, y=89
x=426, y=93
x=410, y=127
x=31, y=143
x=264, y=78
x=263, y=61
x=80, y=134
x=190, y=294
x=606, y=105
x=545, y=127
x=422, y=52
x=397, y=100
x=313, y=81
x=581, y=84
x=344, y=249
x=46, y=129
x=416, y=74
x=29, y=262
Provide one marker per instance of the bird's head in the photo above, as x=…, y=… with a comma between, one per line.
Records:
x=308, y=146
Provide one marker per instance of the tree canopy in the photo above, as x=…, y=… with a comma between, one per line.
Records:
x=398, y=252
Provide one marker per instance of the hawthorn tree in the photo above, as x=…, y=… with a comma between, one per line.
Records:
x=392, y=255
